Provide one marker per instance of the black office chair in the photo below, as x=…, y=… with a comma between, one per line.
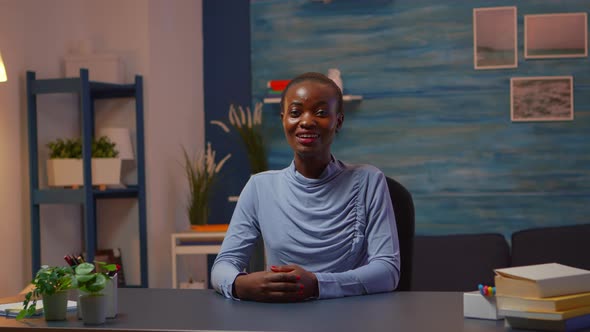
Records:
x=568, y=245
x=403, y=208
x=458, y=262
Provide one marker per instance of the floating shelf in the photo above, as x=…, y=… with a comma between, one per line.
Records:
x=345, y=98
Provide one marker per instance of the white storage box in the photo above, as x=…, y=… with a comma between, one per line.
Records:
x=101, y=67
x=476, y=305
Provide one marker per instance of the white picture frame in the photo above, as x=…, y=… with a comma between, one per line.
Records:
x=542, y=98
x=563, y=35
x=495, y=38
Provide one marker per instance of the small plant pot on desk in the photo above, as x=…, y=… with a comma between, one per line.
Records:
x=55, y=306
x=93, y=308
x=97, y=291
x=110, y=293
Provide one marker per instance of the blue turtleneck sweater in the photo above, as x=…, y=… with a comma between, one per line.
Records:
x=340, y=226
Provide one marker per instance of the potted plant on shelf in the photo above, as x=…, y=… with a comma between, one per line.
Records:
x=248, y=124
x=51, y=284
x=64, y=166
x=201, y=173
x=91, y=281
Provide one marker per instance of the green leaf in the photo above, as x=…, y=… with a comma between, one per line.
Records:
x=84, y=278
x=84, y=268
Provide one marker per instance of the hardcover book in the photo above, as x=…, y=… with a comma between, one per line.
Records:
x=556, y=303
x=572, y=324
x=541, y=280
x=555, y=315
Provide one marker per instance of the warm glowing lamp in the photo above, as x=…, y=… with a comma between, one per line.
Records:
x=3, y=77
x=122, y=138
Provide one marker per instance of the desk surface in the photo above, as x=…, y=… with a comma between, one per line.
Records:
x=205, y=310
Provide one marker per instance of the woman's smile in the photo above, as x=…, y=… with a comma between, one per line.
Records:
x=307, y=138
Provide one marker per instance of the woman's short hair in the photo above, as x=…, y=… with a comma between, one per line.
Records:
x=315, y=77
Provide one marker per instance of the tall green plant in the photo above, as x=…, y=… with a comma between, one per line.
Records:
x=201, y=173
x=248, y=124
x=48, y=281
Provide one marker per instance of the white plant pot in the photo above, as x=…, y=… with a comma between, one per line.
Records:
x=110, y=294
x=68, y=172
x=93, y=308
x=55, y=306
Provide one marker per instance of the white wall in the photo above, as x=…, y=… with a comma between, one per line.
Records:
x=161, y=41
x=13, y=174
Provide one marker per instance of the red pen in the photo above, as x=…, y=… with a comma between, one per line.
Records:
x=68, y=260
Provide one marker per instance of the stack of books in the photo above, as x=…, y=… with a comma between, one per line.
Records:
x=547, y=297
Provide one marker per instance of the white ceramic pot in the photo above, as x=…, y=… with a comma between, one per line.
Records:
x=55, y=306
x=110, y=293
x=68, y=172
x=94, y=309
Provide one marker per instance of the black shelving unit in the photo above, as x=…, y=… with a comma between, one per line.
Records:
x=88, y=91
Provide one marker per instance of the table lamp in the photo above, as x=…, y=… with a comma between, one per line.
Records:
x=122, y=138
x=3, y=77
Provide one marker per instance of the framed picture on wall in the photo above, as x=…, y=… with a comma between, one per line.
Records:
x=494, y=38
x=547, y=98
x=556, y=36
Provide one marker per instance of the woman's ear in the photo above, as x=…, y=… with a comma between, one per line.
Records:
x=340, y=121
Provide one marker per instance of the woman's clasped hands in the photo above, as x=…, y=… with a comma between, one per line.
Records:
x=286, y=283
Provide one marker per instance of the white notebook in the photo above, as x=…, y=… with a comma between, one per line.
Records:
x=12, y=309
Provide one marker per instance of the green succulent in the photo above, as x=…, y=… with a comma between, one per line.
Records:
x=93, y=279
x=72, y=148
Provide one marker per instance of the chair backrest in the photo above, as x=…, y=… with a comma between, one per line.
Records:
x=568, y=245
x=403, y=208
x=458, y=262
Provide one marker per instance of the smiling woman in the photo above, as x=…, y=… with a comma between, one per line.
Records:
x=328, y=227
x=311, y=113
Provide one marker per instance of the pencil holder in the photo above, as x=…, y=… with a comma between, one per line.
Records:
x=110, y=291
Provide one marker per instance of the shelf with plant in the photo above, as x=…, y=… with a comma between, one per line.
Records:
x=64, y=166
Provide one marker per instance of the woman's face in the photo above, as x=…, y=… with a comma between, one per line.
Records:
x=310, y=118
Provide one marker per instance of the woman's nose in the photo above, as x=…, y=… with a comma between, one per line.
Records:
x=307, y=120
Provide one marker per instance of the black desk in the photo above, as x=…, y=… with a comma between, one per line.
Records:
x=190, y=310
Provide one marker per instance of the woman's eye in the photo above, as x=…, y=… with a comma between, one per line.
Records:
x=294, y=112
x=321, y=112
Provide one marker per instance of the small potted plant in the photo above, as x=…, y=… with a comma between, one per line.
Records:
x=91, y=282
x=64, y=166
x=201, y=174
x=51, y=284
